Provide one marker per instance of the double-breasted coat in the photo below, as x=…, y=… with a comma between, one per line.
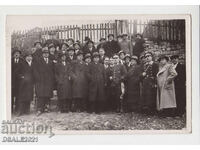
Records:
x=97, y=80
x=79, y=79
x=26, y=82
x=166, y=90
x=63, y=80
x=132, y=79
x=44, y=78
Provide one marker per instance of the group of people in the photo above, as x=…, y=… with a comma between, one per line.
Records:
x=113, y=76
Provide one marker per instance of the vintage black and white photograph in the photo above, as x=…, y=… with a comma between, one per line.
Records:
x=106, y=73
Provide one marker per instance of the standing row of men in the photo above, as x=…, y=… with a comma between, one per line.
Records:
x=91, y=81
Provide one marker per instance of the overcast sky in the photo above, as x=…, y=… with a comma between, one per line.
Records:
x=15, y=23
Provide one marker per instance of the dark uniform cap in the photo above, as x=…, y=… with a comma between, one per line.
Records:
x=60, y=54
x=119, y=36
x=121, y=52
x=110, y=35
x=127, y=56
x=163, y=57
x=70, y=49
x=174, y=57
x=37, y=42
x=27, y=53
x=88, y=55
x=102, y=39
x=70, y=39
x=87, y=38
x=15, y=49
x=147, y=53
x=51, y=45
x=95, y=54
x=79, y=53
x=134, y=57
x=45, y=50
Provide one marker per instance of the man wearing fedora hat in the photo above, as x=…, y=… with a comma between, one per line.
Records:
x=79, y=83
x=26, y=82
x=71, y=54
x=44, y=81
x=38, y=50
x=16, y=64
x=101, y=44
x=111, y=46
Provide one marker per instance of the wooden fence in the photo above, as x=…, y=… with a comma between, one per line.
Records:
x=157, y=30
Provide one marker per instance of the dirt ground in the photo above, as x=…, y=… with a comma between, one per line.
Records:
x=105, y=121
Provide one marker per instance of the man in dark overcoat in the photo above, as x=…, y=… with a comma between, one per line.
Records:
x=79, y=83
x=26, y=83
x=96, y=85
x=38, y=50
x=138, y=47
x=148, y=79
x=63, y=82
x=16, y=64
x=132, y=90
x=44, y=80
x=111, y=46
x=180, y=85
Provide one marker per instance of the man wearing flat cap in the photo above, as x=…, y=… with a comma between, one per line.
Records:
x=16, y=64
x=111, y=46
x=71, y=54
x=44, y=81
x=180, y=85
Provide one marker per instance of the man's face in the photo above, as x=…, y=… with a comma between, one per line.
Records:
x=17, y=55
x=102, y=41
x=76, y=46
x=163, y=61
x=148, y=58
x=116, y=60
x=52, y=50
x=38, y=46
x=138, y=37
x=64, y=47
x=119, y=39
x=88, y=60
x=127, y=60
x=80, y=57
x=69, y=42
x=133, y=62
x=101, y=52
x=175, y=61
x=96, y=59
x=90, y=45
x=63, y=58
x=111, y=61
x=110, y=38
x=122, y=56
x=45, y=55
x=71, y=52
x=106, y=61
x=29, y=58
